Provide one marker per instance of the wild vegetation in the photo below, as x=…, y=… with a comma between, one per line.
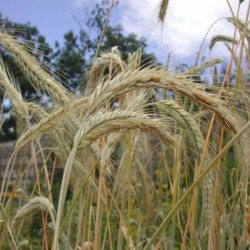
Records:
x=151, y=159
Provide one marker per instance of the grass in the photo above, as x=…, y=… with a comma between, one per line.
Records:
x=150, y=159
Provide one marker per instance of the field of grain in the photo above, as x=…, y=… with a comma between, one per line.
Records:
x=150, y=159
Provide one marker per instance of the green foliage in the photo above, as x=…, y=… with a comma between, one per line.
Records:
x=69, y=60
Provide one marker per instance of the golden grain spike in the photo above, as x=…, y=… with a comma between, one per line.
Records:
x=163, y=10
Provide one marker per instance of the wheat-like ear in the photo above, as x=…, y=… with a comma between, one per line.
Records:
x=111, y=60
x=134, y=60
x=33, y=71
x=7, y=82
x=130, y=80
x=62, y=143
x=221, y=38
x=33, y=206
x=119, y=120
x=41, y=128
x=240, y=25
x=205, y=65
x=189, y=122
x=50, y=121
x=163, y=10
x=37, y=110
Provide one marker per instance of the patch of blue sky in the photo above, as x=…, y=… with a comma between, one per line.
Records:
x=186, y=24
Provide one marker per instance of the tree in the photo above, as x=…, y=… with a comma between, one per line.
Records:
x=69, y=60
x=113, y=35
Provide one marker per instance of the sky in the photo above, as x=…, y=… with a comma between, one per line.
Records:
x=185, y=26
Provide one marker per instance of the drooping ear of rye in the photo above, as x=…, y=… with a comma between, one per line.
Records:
x=33, y=71
x=163, y=10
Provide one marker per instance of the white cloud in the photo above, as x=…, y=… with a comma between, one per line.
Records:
x=185, y=26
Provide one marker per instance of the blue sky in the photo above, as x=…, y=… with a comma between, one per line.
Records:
x=52, y=17
x=185, y=26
